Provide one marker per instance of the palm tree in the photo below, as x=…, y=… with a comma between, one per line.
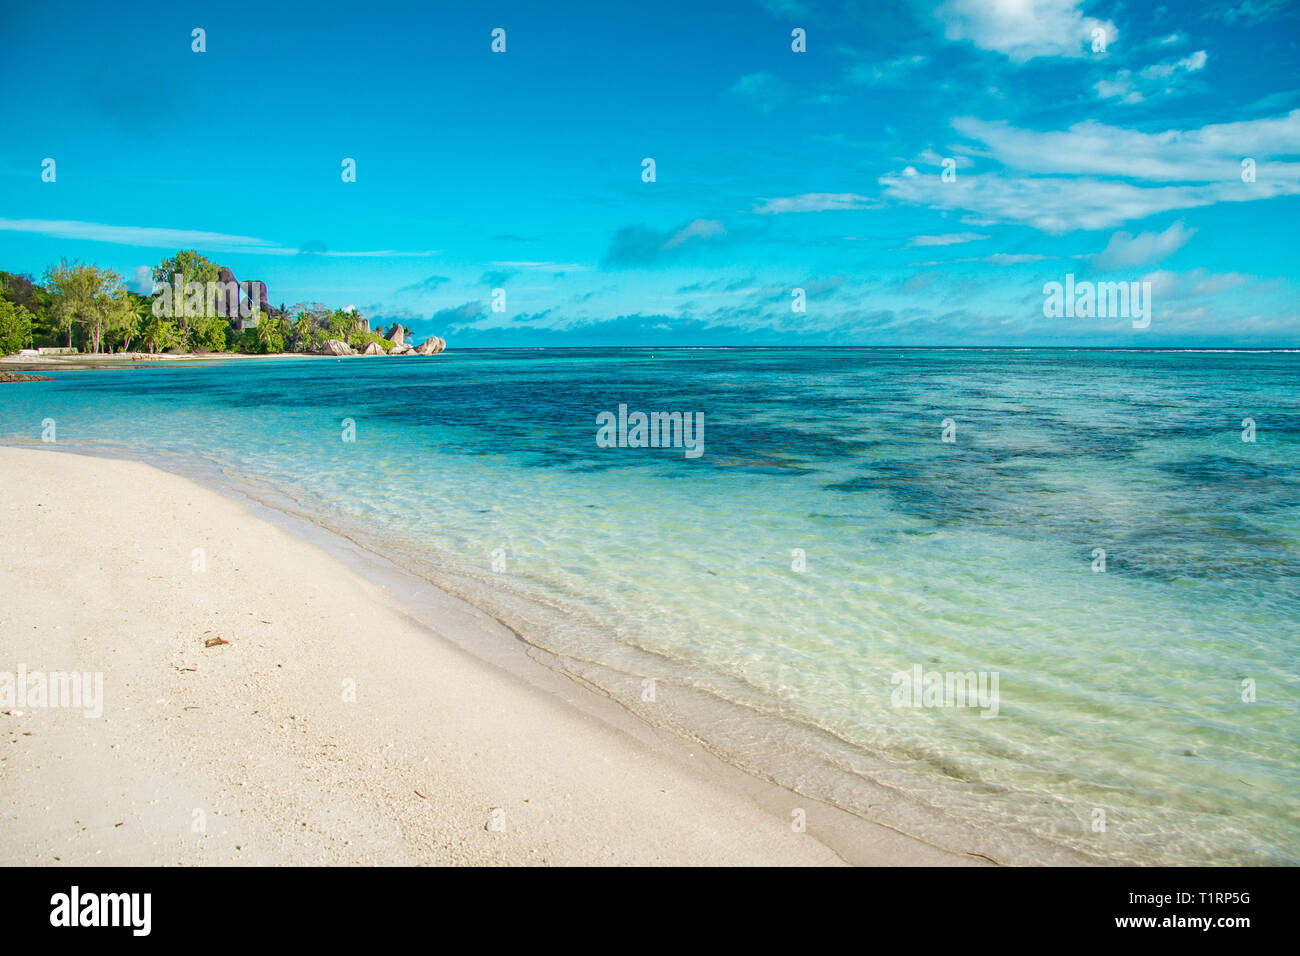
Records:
x=340, y=324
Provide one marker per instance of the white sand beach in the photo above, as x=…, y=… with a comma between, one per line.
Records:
x=251, y=752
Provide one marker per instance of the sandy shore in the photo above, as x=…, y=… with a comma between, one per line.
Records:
x=257, y=751
x=83, y=360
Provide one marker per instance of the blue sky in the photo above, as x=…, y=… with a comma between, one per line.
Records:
x=775, y=170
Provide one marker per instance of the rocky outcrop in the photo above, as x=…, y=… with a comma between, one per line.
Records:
x=401, y=350
x=253, y=292
x=431, y=346
x=397, y=334
x=9, y=377
x=374, y=348
x=335, y=347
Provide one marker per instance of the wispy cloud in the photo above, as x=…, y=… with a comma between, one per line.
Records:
x=1195, y=284
x=996, y=259
x=1210, y=153
x=1060, y=204
x=696, y=229
x=150, y=237
x=1250, y=11
x=947, y=239
x=1158, y=78
x=813, y=202
x=763, y=91
x=879, y=74
x=1091, y=175
x=155, y=238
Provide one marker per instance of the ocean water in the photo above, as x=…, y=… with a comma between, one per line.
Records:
x=764, y=597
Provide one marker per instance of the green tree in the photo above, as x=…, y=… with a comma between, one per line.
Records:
x=194, y=329
x=23, y=290
x=124, y=321
x=84, y=295
x=69, y=288
x=209, y=334
x=270, y=335
x=341, y=324
x=188, y=264
x=158, y=332
x=15, y=327
x=305, y=337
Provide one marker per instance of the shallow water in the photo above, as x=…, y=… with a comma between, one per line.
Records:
x=1119, y=692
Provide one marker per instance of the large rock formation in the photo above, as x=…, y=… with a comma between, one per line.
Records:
x=396, y=335
x=252, y=296
x=431, y=346
x=402, y=350
x=374, y=348
x=335, y=347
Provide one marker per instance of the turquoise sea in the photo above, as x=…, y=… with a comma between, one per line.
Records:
x=763, y=598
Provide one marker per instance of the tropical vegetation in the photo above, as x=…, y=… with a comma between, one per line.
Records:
x=91, y=309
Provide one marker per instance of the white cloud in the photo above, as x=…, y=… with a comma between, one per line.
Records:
x=1121, y=88
x=541, y=266
x=137, y=235
x=1091, y=176
x=1057, y=204
x=1169, y=70
x=947, y=239
x=1014, y=258
x=1209, y=153
x=1157, y=78
x=1023, y=29
x=142, y=281
x=997, y=259
x=1196, y=284
x=813, y=202
x=162, y=238
x=931, y=158
x=1125, y=250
